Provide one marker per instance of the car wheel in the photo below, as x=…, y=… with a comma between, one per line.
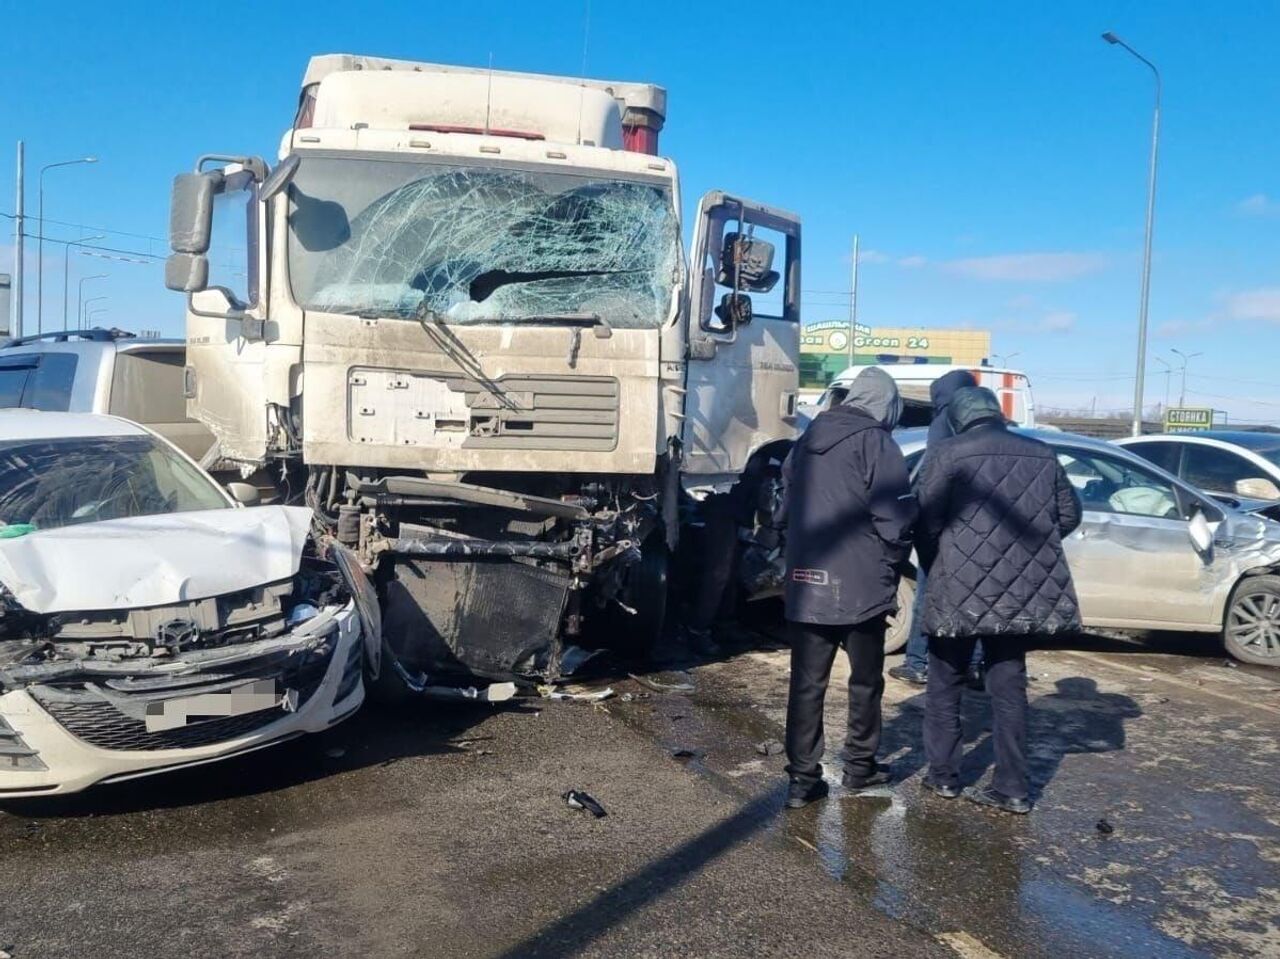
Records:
x=899, y=631
x=1251, y=632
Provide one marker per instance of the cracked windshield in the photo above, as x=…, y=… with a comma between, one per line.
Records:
x=479, y=244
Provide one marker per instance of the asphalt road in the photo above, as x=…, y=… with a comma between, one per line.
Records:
x=442, y=832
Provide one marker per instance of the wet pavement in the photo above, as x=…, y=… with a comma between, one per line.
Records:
x=442, y=831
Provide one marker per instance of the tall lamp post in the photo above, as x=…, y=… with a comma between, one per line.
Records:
x=80, y=296
x=66, y=270
x=40, y=238
x=1146, y=255
x=1186, y=358
x=88, y=312
x=1168, y=374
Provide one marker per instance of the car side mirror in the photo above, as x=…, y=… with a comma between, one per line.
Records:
x=244, y=493
x=1200, y=533
x=1257, y=487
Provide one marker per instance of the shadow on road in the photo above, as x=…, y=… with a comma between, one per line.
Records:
x=572, y=933
x=1077, y=718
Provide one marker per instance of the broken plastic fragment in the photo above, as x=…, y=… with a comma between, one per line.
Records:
x=577, y=799
x=658, y=687
x=576, y=695
x=770, y=747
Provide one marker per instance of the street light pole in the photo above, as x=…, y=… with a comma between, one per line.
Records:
x=853, y=301
x=66, y=270
x=89, y=319
x=40, y=236
x=1004, y=358
x=19, y=232
x=1146, y=255
x=1168, y=374
x=88, y=312
x=1186, y=358
x=80, y=296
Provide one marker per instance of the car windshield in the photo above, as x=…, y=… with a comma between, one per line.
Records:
x=48, y=483
x=480, y=244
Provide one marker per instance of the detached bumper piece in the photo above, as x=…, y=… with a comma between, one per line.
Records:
x=15, y=754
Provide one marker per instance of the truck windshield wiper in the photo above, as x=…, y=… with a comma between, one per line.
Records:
x=601, y=326
x=433, y=325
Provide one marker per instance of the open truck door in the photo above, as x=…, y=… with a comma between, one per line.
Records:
x=744, y=337
x=217, y=231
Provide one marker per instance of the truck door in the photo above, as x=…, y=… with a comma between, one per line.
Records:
x=218, y=234
x=744, y=336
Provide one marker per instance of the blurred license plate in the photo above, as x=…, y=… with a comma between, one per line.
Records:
x=249, y=698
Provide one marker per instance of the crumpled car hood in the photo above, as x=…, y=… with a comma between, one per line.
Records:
x=154, y=560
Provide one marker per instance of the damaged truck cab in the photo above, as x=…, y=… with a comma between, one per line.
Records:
x=456, y=319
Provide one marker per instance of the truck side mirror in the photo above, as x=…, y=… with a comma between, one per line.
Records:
x=734, y=310
x=746, y=263
x=190, y=229
x=186, y=272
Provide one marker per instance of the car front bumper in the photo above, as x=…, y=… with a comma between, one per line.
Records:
x=52, y=744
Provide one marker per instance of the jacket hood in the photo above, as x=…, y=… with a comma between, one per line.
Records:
x=972, y=405
x=944, y=388
x=874, y=393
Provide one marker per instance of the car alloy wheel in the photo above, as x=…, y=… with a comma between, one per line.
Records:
x=1252, y=629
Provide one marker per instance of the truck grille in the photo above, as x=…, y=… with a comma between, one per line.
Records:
x=96, y=721
x=442, y=411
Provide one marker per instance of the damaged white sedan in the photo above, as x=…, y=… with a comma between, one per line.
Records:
x=148, y=621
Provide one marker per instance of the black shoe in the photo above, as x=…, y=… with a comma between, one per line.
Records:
x=986, y=796
x=975, y=680
x=942, y=790
x=916, y=677
x=882, y=776
x=800, y=794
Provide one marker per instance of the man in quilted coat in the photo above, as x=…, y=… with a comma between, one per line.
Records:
x=994, y=507
x=849, y=513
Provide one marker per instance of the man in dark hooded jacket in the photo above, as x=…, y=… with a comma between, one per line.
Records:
x=848, y=512
x=994, y=508
x=915, y=664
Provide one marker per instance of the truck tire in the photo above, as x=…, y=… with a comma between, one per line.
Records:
x=1251, y=626
x=899, y=631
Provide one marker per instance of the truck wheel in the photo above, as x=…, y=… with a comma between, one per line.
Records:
x=645, y=592
x=1251, y=629
x=899, y=631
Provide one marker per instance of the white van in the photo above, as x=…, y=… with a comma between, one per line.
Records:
x=1013, y=387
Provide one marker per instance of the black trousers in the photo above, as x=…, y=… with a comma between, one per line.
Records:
x=813, y=651
x=1006, y=678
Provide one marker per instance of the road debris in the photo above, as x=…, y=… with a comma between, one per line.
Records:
x=683, y=753
x=657, y=687
x=769, y=747
x=576, y=695
x=577, y=799
x=1104, y=827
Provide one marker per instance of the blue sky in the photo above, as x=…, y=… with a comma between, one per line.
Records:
x=993, y=157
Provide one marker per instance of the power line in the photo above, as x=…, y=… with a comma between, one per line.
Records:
x=92, y=229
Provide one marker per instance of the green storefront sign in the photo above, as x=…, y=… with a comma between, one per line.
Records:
x=1187, y=419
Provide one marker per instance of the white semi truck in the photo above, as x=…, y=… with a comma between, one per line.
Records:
x=457, y=319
